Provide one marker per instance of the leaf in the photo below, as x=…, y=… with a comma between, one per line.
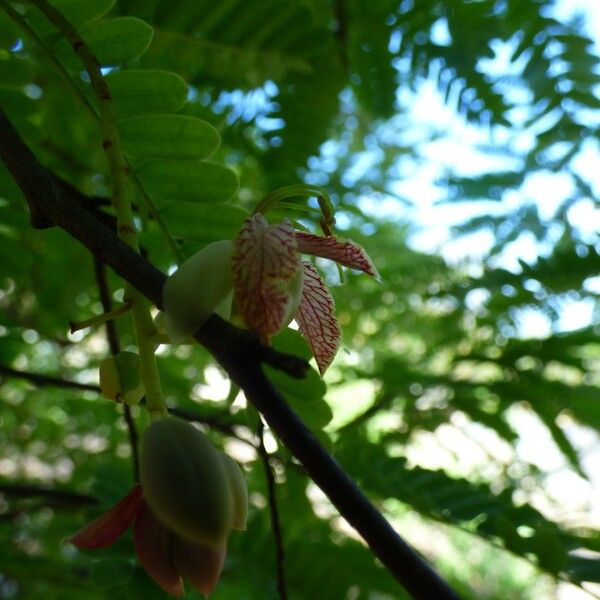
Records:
x=111, y=525
x=112, y=572
x=194, y=57
x=265, y=263
x=346, y=252
x=188, y=180
x=316, y=318
x=112, y=42
x=139, y=92
x=75, y=11
x=306, y=395
x=202, y=223
x=14, y=73
x=168, y=136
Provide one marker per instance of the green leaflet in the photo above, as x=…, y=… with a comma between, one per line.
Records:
x=146, y=91
x=168, y=136
x=14, y=73
x=108, y=573
x=202, y=223
x=9, y=33
x=77, y=12
x=231, y=63
x=192, y=181
x=112, y=42
x=306, y=395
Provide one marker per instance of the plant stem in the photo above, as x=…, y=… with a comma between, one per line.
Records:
x=120, y=197
x=114, y=345
x=274, y=511
x=105, y=317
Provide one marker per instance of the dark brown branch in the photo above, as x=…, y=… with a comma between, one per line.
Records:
x=239, y=354
x=41, y=380
x=47, y=380
x=57, y=496
x=274, y=512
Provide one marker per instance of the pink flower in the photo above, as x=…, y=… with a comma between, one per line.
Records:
x=166, y=557
x=273, y=284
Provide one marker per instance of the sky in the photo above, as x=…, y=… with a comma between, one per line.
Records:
x=457, y=149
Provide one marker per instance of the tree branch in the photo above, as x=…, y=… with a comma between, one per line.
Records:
x=57, y=496
x=42, y=380
x=240, y=354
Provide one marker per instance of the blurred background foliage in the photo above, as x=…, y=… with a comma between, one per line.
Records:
x=441, y=405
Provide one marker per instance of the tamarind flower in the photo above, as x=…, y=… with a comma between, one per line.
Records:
x=165, y=556
x=190, y=497
x=273, y=284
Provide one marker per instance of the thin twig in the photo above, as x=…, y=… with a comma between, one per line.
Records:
x=274, y=511
x=18, y=490
x=41, y=380
x=114, y=346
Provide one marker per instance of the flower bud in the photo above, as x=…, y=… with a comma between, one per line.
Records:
x=239, y=491
x=120, y=378
x=186, y=482
x=202, y=285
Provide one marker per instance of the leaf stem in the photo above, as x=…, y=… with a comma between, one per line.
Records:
x=100, y=319
x=120, y=197
x=273, y=510
x=68, y=80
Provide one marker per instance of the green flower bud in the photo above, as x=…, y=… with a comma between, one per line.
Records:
x=186, y=482
x=120, y=378
x=239, y=491
x=202, y=285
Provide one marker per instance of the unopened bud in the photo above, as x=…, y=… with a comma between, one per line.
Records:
x=202, y=285
x=120, y=378
x=186, y=482
x=239, y=491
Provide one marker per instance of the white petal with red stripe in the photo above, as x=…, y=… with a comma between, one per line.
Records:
x=316, y=318
x=344, y=252
x=265, y=261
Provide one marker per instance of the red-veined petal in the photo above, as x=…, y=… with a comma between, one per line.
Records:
x=316, y=318
x=265, y=261
x=346, y=252
x=153, y=548
x=111, y=525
